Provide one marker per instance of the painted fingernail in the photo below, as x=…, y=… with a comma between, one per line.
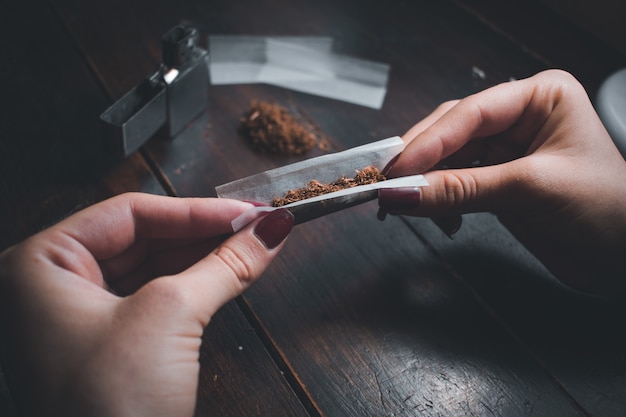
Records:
x=448, y=225
x=389, y=165
x=256, y=203
x=399, y=199
x=274, y=227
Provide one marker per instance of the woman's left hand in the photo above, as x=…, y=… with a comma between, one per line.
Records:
x=104, y=312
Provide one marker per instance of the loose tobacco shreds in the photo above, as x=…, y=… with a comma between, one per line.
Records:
x=271, y=128
x=368, y=175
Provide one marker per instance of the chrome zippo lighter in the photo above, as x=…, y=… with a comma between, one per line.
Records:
x=170, y=97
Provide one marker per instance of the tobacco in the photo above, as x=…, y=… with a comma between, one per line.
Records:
x=314, y=188
x=269, y=127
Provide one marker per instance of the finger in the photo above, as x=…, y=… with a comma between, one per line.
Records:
x=454, y=192
x=449, y=225
x=469, y=190
x=155, y=257
x=418, y=128
x=125, y=278
x=483, y=114
x=110, y=227
x=426, y=122
x=233, y=266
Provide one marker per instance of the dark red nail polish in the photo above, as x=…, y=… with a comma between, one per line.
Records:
x=399, y=199
x=448, y=225
x=381, y=215
x=389, y=165
x=274, y=227
x=256, y=203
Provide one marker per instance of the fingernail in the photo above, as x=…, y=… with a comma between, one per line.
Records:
x=256, y=203
x=448, y=225
x=389, y=165
x=274, y=227
x=399, y=199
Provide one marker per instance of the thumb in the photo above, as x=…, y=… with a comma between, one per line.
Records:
x=234, y=265
x=457, y=191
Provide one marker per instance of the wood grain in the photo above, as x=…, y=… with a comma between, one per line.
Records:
x=356, y=317
x=365, y=318
x=51, y=159
x=555, y=41
x=53, y=163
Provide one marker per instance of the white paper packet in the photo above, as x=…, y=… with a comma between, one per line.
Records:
x=304, y=64
x=263, y=187
x=326, y=74
x=236, y=59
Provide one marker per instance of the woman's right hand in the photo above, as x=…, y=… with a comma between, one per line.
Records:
x=535, y=153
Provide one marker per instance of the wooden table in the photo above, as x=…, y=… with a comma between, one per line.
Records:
x=356, y=317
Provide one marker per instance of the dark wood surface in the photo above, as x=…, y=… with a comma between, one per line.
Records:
x=356, y=317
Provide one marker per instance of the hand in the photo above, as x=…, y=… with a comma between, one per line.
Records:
x=535, y=153
x=78, y=349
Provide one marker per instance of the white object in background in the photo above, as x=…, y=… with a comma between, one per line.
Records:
x=325, y=74
x=298, y=63
x=237, y=59
x=611, y=106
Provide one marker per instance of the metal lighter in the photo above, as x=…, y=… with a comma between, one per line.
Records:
x=170, y=97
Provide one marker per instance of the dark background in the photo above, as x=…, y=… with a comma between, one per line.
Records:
x=356, y=317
